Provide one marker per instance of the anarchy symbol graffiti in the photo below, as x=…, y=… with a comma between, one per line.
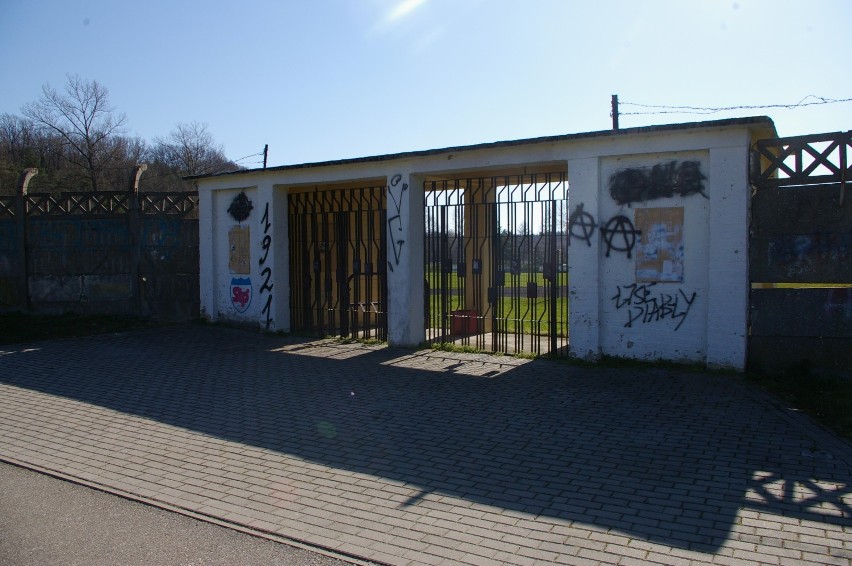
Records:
x=620, y=235
x=581, y=225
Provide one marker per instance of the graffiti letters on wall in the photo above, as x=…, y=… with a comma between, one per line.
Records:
x=643, y=304
x=266, y=272
x=395, y=226
x=663, y=180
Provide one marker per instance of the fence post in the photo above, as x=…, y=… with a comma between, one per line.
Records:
x=21, y=215
x=134, y=227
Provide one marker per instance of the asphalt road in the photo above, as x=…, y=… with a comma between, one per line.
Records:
x=46, y=521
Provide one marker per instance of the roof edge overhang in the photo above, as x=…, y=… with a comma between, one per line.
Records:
x=763, y=123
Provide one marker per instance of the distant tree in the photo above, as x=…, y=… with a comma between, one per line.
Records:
x=84, y=120
x=188, y=150
x=22, y=145
x=123, y=154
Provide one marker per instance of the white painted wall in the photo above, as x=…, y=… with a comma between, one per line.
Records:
x=585, y=289
x=715, y=328
x=269, y=273
x=715, y=237
x=629, y=310
x=217, y=296
x=727, y=264
x=405, y=202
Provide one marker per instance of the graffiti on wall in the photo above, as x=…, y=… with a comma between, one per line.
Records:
x=660, y=253
x=240, y=207
x=801, y=254
x=644, y=305
x=581, y=225
x=266, y=272
x=395, y=225
x=839, y=303
x=619, y=234
x=663, y=180
x=241, y=292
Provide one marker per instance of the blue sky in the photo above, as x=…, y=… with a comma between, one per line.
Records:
x=330, y=79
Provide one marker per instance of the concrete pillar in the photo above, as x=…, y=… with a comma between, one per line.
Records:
x=272, y=257
x=584, y=277
x=405, y=277
x=206, y=258
x=135, y=176
x=21, y=216
x=728, y=291
x=24, y=181
x=137, y=286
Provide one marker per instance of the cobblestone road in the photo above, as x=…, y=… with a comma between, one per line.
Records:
x=425, y=457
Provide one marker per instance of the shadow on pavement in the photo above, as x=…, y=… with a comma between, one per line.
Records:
x=655, y=454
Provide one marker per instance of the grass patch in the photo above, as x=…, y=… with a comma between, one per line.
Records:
x=20, y=328
x=460, y=349
x=826, y=399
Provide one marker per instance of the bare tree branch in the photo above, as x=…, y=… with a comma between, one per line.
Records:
x=83, y=118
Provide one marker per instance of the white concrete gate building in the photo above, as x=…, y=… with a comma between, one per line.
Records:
x=656, y=218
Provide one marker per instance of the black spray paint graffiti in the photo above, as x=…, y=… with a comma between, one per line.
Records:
x=660, y=181
x=618, y=233
x=581, y=225
x=266, y=273
x=240, y=207
x=396, y=220
x=643, y=306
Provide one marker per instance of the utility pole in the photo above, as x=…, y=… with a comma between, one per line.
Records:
x=614, y=113
x=265, y=153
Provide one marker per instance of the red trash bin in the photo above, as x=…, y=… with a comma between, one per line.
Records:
x=464, y=322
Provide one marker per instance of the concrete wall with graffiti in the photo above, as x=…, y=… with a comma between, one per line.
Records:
x=243, y=245
x=658, y=260
x=653, y=253
x=658, y=236
x=232, y=292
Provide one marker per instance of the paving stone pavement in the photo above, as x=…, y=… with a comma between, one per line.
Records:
x=427, y=457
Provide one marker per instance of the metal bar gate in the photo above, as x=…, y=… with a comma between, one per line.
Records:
x=496, y=263
x=338, y=259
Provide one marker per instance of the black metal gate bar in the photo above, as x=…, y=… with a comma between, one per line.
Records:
x=338, y=261
x=495, y=255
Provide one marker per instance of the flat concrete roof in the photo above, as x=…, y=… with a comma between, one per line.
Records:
x=759, y=121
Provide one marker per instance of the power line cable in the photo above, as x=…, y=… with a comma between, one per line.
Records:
x=662, y=109
x=247, y=156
